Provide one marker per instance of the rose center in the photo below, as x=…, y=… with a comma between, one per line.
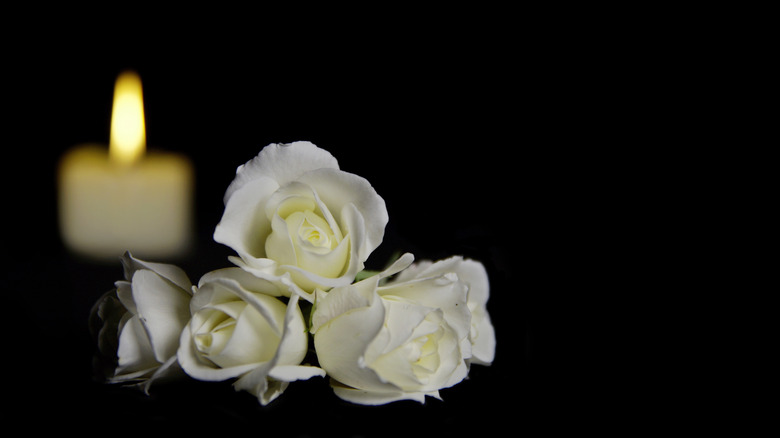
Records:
x=425, y=357
x=215, y=334
x=314, y=235
x=313, y=231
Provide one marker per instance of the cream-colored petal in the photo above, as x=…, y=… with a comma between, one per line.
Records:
x=200, y=368
x=251, y=340
x=124, y=292
x=483, y=348
x=402, y=319
x=337, y=188
x=135, y=352
x=326, y=264
x=445, y=292
x=282, y=163
x=295, y=338
x=374, y=398
x=247, y=280
x=172, y=273
x=244, y=225
x=279, y=245
x=163, y=309
x=168, y=371
x=330, y=305
x=291, y=373
x=342, y=341
x=255, y=381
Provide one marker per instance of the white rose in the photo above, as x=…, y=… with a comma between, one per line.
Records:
x=241, y=329
x=141, y=321
x=293, y=217
x=481, y=335
x=379, y=347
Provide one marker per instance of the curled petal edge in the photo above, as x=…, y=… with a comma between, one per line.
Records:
x=374, y=398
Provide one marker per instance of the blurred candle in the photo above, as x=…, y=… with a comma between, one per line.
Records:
x=120, y=199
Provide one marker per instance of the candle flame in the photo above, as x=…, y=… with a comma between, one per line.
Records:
x=128, y=132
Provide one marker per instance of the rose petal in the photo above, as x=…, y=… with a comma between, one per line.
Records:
x=264, y=269
x=245, y=279
x=402, y=322
x=328, y=265
x=300, y=197
x=283, y=163
x=440, y=291
x=307, y=280
x=104, y=320
x=163, y=308
x=295, y=339
x=172, y=273
x=483, y=337
x=340, y=346
x=168, y=370
x=279, y=244
x=291, y=373
x=413, y=271
x=255, y=381
x=244, y=225
x=324, y=210
x=266, y=305
x=290, y=198
x=124, y=292
x=214, y=293
x=252, y=340
x=198, y=368
x=474, y=273
x=397, y=266
x=483, y=347
x=374, y=398
x=135, y=352
x=330, y=305
x=283, y=367
x=453, y=368
x=337, y=188
x=225, y=289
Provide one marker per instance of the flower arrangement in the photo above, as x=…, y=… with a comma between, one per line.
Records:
x=302, y=230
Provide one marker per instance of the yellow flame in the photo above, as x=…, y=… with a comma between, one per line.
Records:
x=128, y=132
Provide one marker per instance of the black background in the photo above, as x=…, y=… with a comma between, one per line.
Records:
x=459, y=132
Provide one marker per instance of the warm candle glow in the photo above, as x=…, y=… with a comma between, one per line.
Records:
x=128, y=134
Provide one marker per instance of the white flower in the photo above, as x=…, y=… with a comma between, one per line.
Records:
x=142, y=320
x=481, y=335
x=240, y=328
x=379, y=346
x=294, y=218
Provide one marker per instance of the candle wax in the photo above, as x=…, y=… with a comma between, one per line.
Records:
x=107, y=208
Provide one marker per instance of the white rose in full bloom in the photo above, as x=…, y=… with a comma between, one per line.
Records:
x=481, y=335
x=379, y=346
x=240, y=328
x=141, y=320
x=294, y=217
